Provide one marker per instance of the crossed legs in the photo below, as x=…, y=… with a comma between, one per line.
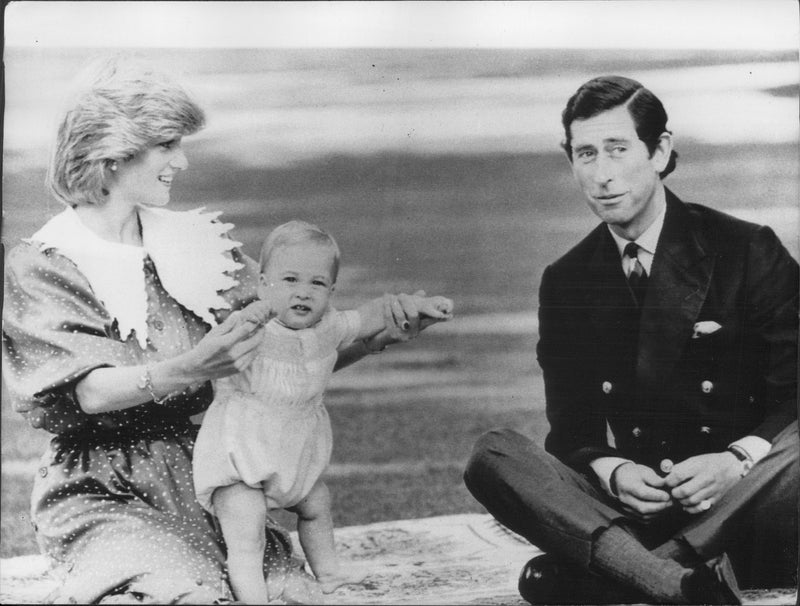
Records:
x=537, y=496
x=563, y=513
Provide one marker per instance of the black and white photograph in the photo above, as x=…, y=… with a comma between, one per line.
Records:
x=400, y=302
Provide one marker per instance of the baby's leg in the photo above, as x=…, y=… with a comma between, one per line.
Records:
x=242, y=513
x=315, y=531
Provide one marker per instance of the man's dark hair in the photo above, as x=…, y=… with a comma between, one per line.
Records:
x=607, y=92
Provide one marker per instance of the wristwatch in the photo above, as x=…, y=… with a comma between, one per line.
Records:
x=741, y=454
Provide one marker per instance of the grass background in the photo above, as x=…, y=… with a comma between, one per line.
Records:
x=479, y=227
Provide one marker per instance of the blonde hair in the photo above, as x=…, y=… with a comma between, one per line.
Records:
x=121, y=107
x=299, y=232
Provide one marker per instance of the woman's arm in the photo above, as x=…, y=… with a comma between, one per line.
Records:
x=375, y=316
x=391, y=319
x=225, y=350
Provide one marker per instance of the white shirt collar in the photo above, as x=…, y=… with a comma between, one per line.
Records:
x=647, y=242
x=189, y=249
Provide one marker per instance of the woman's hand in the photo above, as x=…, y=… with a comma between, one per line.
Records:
x=402, y=318
x=230, y=347
x=225, y=350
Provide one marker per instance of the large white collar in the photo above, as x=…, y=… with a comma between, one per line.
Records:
x=189, y=249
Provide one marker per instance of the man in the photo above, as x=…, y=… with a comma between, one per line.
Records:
x=674, y=326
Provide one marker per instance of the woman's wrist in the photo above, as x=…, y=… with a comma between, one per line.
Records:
x=167, y=379
x=374, y=344
x=145, y=384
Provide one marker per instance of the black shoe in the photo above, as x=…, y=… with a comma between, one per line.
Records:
x=712, y=583
x=546, y=580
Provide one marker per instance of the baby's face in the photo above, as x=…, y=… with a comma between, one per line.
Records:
x=298, y=283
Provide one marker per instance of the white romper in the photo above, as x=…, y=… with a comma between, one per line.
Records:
x=267, y=426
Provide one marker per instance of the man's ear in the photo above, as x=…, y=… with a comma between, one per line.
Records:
x=662, y=152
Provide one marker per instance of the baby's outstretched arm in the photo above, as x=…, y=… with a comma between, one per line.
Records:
x=430, y=309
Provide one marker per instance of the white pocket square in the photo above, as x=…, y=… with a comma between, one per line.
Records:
x=702, y=329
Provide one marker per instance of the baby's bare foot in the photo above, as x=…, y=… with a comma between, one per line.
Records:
x=295, y=587
x=349, y=574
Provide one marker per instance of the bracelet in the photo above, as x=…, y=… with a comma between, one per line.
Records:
x=146, y=382
x=743, y=456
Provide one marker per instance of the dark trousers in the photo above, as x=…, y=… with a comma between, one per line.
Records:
x=560, y=510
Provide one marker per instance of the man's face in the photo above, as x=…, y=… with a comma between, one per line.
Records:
x=616, y=172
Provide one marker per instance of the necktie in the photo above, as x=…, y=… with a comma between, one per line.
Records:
x=637, y=278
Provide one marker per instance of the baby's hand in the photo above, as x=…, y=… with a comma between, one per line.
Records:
x=437, y=308
x=258, y=313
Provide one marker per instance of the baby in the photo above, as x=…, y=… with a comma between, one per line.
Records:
x=266, y=439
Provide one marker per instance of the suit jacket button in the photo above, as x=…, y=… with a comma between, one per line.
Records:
x=607, y=387
x=707, y=386
x=752, y=399
x=705, y=429
x=636, y=432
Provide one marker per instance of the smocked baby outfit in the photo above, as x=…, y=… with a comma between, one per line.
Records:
x=267, y=426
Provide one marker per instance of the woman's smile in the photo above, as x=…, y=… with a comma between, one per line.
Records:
x=147, y=178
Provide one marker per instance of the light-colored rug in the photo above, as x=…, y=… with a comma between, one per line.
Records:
x=459, y=559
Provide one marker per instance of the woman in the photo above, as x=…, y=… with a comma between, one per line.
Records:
x=108, y=344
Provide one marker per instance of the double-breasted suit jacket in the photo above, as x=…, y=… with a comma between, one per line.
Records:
x=665, y=389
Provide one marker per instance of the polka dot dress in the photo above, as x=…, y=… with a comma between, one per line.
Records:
x=113, y=499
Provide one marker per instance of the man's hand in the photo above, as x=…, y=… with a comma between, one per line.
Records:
x=641, y=491
x=700, y=481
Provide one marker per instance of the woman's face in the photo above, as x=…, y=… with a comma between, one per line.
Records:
x=146, y=179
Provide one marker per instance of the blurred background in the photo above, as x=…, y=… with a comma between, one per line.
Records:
x=426, y=139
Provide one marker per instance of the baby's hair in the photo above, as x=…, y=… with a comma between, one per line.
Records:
x=299, y=232
x=120, y=106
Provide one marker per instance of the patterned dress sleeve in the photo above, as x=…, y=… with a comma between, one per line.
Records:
x=55, y=331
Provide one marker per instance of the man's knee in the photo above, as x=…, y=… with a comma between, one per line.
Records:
x=787, y=443
x=488, y=456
